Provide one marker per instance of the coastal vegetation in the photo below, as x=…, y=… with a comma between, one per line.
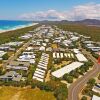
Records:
x=92, y=31
x=14, y=35
x=88, y=88
x=5, y=57
x=78, y=72
x=55, y=89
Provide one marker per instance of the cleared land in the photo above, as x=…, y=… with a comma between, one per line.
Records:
x=15, y=93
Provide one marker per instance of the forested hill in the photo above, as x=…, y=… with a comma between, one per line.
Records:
x=91, y=22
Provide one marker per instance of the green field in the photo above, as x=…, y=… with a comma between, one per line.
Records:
x=92, y=31
x=16, y=93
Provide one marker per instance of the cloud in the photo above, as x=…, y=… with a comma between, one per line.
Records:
x=86, y=11
x=45, y=15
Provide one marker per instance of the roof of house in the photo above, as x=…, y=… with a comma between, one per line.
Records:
x=68, y=68
x=95, y=97
x=76, y=51
x=42, y=48
x=17, y=63
x=81, y=57
x=96, y=88
x=2, y=53
x=12, y=75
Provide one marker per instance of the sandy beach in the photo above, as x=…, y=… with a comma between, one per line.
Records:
x=18, y=27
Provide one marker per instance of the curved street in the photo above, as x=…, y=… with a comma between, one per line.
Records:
x=76, y=87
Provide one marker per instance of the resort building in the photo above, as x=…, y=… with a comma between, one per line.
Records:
x=41, y=68
x=95, y=97
x=68, y=68
x=11, y=76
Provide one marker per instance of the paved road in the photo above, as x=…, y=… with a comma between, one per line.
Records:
x=76, y=87
x=14, y=56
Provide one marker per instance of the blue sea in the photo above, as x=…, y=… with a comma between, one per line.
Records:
x=8, y=24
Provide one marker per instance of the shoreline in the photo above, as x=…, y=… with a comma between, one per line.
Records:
x=18, y=27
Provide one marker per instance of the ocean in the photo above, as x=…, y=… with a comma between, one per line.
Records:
x=8, y=24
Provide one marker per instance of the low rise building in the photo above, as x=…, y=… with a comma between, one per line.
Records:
x=11, y=76
x=68, y=68
x=96, y=88
x=95, y=97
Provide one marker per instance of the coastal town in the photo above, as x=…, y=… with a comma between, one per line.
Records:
x=48, y=55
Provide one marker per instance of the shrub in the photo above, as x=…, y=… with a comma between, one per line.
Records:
x=84, y=98
x=61, y=92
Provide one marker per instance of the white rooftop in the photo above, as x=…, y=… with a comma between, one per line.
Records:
x=39, y=79
x=95, y=97
x=81, y=57
x=76, y=50
x=40, y=70
x=42, y=48
x=2, y=53
x=68, y=68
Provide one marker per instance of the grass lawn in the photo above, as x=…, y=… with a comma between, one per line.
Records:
x=54, y=46
x=62, y=64
x=16, y=93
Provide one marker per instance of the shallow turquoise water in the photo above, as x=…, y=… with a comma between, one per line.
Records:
x=7, y=24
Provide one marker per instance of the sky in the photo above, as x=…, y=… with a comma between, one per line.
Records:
x=49, y=9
